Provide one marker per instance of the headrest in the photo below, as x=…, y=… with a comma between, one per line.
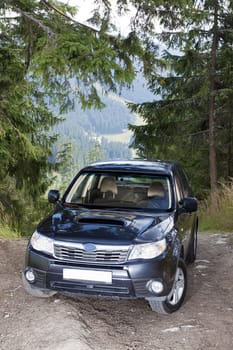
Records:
x=156, y=189
x=108, y=184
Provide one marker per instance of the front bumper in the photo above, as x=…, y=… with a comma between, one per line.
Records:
x=129, y=280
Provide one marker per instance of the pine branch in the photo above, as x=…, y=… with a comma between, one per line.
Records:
x=38, y=22
x=45, y=28
x=48, y=5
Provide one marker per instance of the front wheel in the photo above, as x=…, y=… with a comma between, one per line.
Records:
x=176, y=297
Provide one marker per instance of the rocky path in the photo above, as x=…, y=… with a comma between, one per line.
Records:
x=205, y=321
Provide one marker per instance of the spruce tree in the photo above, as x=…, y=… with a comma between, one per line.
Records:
x=191, y=120
x=48, y=60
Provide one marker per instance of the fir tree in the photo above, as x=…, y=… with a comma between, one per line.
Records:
x=191, y=120
x=48, y=59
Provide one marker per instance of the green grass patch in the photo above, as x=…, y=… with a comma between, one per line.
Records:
x=8, y=233
x=220, y=217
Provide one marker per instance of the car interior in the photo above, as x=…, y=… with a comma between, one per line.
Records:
x=123, y=191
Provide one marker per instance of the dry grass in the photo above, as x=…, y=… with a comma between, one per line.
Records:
x=219, y=218
x=7, y=233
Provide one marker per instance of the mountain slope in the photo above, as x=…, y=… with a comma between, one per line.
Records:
x=107, y=127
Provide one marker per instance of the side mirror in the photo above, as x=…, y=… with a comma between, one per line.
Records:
x=53, y=196
x=189, y=204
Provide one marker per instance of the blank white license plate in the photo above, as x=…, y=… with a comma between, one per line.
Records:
x=87, y=275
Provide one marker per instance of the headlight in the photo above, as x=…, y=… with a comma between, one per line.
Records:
x=42, y=243
x=148, y=250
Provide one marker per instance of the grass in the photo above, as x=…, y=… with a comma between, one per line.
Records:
x=219, y=218
x=7, y=233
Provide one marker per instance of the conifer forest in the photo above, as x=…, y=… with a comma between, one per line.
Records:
x=58, y=76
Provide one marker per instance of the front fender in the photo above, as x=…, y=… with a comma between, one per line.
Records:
x=176, y=251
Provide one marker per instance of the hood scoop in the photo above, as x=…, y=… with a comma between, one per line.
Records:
x=101, y=221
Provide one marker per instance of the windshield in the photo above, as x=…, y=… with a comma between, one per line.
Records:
x=121, y=190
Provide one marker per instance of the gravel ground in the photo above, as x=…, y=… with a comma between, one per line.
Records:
x=205, y=320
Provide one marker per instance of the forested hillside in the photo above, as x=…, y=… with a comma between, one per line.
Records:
x=82, y=128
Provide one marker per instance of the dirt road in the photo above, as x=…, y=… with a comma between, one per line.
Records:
x=205, y=321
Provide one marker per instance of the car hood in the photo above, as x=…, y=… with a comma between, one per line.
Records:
x=105, y=226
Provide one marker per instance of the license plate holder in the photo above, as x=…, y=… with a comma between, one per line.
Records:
x=85, y=275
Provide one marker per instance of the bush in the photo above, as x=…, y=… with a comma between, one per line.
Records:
x=19, y=214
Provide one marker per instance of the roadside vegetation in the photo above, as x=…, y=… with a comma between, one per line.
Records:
x=219, y=218
x=7, y=233
x=6, y=229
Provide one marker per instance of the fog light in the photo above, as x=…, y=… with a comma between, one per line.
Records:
x=155, y=286
x=30, y=276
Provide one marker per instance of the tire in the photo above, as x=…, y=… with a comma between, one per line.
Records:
x=192, y=253
x=176, y=297
x=36, y=292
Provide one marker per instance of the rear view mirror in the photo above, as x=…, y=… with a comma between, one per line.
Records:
x=189, y=204
x=53, y=196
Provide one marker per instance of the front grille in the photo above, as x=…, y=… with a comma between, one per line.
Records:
x=78, y=254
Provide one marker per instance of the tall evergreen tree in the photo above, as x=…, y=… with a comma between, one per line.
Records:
x=65, y=165
x=192, y=120
x=95, y=153
x=45, y=56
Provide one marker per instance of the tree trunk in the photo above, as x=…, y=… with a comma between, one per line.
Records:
x=229, y=150
x=212, y=147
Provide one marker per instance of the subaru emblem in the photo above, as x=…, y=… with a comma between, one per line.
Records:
x=89, y=247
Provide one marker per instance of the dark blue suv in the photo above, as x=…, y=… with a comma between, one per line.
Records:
x=122, y=229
